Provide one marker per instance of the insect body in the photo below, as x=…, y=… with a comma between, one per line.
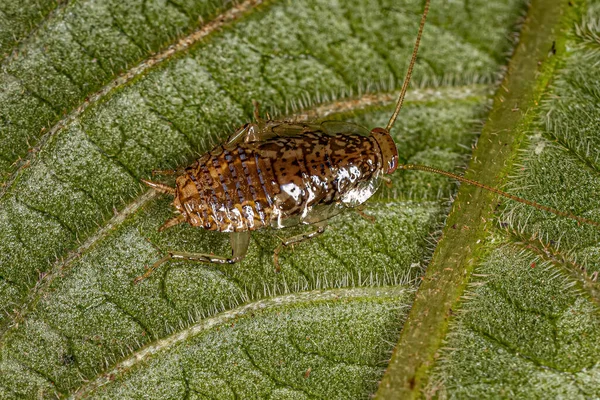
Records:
x=279, y=174
x=283, y=174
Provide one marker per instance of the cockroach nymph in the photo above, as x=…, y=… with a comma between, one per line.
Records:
x=278, y=174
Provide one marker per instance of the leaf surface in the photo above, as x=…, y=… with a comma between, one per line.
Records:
x=97, y=95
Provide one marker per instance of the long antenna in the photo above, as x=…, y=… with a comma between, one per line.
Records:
x=500, y=192
x=450, y=174
x=409, y=72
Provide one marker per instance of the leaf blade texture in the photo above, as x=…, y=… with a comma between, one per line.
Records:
x=99, y=96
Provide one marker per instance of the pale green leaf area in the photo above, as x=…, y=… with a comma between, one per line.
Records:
x=18, y=19
x=76, y=225
x=523, y=331
x=529, y=322
x=562, y=161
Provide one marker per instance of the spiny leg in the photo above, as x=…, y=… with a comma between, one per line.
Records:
x=239, y=248
x=294, y=240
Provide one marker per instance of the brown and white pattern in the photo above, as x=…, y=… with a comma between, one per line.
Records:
x=283, y=174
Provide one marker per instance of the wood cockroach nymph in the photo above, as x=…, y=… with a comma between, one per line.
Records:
x=277, y=174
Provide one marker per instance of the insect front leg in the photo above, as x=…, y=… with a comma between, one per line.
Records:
x=239, y=248
x=294, y=240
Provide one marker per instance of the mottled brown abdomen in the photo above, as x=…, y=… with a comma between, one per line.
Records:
x=280, y=181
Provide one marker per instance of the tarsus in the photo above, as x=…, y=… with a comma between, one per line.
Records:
x=409, y=72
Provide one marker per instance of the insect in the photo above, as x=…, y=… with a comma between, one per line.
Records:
x=276, y=174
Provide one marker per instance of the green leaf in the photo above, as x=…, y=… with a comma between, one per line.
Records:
x=518, y=315
x=95, y=95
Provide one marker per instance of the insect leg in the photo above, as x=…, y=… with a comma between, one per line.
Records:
x=360, y=211
x=239, y=245
x=178, y=171
x=256, y=113
x=294, y=240
x=160, y=187
x=239, y=135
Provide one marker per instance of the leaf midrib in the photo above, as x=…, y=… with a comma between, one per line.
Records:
x=471, y=216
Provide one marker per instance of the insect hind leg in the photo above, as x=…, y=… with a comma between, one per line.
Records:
x=239, y=246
